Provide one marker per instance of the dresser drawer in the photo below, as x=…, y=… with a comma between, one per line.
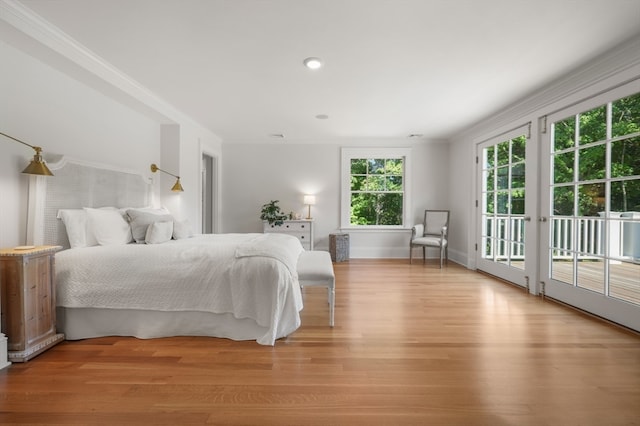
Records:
x=288, y=227
x=301, y=229
x=304, y=237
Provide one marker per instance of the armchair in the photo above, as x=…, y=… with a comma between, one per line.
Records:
x=433, y=232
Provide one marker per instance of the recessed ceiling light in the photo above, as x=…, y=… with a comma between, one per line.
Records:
x=312, y=63
x=277, y=135
x=322, y=116
x=416, y=135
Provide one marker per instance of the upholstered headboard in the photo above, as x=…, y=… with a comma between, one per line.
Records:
x=75, y=185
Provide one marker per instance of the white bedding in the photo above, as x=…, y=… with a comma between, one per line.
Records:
x=250, y=276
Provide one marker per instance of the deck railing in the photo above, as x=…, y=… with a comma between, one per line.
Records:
x=585, y=236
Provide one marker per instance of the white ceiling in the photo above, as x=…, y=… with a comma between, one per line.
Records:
x=392, y=67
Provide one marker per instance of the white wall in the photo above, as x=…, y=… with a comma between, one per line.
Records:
x=256, y=173
x=459, y=179
x=45, y=107
x=193, y=142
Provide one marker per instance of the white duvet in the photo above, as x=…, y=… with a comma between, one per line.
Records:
x=248, y=275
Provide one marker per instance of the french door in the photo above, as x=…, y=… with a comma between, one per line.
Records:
x=505, y=224
x=590, y=205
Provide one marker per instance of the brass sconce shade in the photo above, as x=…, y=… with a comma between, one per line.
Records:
x=177, y=187
x=37, y=165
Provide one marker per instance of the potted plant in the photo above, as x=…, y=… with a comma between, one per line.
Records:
x=271, y=213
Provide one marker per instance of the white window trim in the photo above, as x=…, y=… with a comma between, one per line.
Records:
x=345, y=185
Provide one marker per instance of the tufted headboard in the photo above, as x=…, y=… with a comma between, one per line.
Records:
x=75, y=185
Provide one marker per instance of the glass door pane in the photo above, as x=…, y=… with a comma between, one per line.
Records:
x=504, y=229
x=592, y=186
x=503, y=199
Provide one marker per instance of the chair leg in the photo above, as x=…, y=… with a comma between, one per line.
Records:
x=410, y=254
x=424, y=254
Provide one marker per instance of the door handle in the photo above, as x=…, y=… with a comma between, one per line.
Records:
x=527, y=218
x=543, y=219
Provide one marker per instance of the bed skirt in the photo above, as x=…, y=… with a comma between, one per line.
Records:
x=85, y=323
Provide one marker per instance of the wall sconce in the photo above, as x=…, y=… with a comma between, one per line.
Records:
x=176, y=187
x=37, y=165
x=309, y=200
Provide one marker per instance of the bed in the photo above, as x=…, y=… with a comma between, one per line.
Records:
x=236, y=286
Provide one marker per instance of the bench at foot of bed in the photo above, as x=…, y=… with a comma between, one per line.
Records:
x=316, y=269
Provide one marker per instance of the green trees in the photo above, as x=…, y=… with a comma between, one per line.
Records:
x=377, y=191
x=582, y=144
x=505, y=169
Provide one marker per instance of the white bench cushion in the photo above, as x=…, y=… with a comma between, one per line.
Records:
x=314, y=266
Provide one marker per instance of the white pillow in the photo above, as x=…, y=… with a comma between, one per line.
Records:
x=182, y=229
x=159, y=232
x=140, y=219
x=160, y=210
x=154, y=210
x=108, y=226
x=75, y=222
x=77, y=226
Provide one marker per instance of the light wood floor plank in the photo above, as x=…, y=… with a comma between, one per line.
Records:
x=412, y=345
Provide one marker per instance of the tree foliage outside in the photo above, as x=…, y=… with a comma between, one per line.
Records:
x=505, y=177
x=583, y=145
x=377, y=191
x=504, y=196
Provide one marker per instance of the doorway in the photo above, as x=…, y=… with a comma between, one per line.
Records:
x=590, y=208
x=209, y=196
x=506, y=233
x=559, y=213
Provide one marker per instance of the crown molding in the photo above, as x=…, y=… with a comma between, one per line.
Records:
x=607, y=71
x=605, y=67
x=31, y=24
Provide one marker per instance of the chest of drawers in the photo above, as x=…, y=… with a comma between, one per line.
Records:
x=301, y=229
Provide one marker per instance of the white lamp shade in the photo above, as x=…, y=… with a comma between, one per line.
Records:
x=309, y=200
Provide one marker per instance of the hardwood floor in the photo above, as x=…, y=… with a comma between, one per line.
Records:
x=412, y=345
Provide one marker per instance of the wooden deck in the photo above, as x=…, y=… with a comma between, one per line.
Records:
x=624, y=278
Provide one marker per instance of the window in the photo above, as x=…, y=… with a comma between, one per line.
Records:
x=375, y=188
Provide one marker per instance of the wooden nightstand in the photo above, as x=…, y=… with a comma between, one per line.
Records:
x=28, y=296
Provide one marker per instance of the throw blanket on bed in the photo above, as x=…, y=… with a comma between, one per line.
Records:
x=249, y=275
x=275, y=246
